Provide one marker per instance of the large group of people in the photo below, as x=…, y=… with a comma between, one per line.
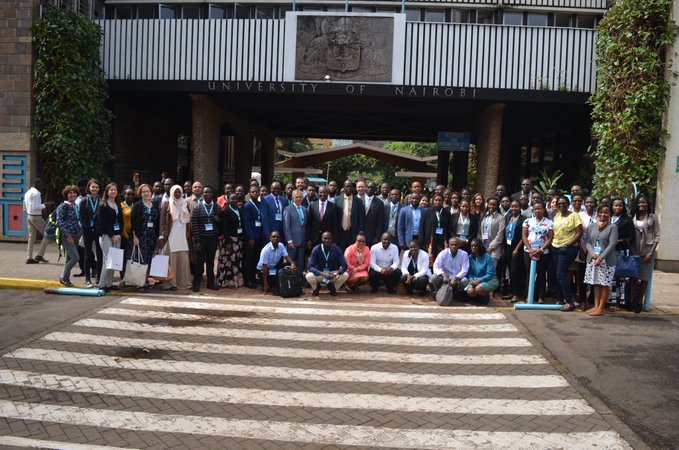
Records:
x=361, y=233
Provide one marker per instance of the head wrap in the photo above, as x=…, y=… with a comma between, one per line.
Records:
x=178, y=207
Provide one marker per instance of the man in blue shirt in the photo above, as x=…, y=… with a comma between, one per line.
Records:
x=271, y=259
x=327, y=265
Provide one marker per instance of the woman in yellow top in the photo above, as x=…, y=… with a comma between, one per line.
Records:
x=565, y=247
x=126, y=242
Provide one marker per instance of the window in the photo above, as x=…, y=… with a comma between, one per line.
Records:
x=123, y=12
x=281, y=10
x=264, y=12
x=191, y=12
x=586, y=21
x=486, y=17
x=241, y=11
x=412, y=15
x=167, y=12
x=361, y=9
x=146, y=12
x=512, y=18
x=433, y=15
x=562, y=20
x=537, y=19
x=217, y=12
x=459, y=15
x=387, y=10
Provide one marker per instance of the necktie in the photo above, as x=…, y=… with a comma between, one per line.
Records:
x=322, y=210
x=301, y=214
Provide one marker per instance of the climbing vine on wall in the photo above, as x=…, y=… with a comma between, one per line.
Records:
x=72, y=124
x=632, y=94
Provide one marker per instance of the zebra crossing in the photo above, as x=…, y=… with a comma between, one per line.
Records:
x=233, y=372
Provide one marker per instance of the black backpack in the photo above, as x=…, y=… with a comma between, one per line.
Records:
x=289, y=283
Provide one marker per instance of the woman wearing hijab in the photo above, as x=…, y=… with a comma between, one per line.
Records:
x=110, y=218
x=175, y=231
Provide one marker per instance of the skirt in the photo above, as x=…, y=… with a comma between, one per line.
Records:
x=230, y=268
x=646, y=269
x=600, y=275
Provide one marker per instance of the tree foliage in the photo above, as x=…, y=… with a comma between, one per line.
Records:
x=632, y=94
x=72, y=123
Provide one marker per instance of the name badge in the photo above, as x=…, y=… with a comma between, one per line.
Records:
x=509, y=242
x=209, y=227
x=463, y=236
x=439, y=230
x=597, y=250
x=116, y=227
x=272, y=271
x=91, y=222
x=279, y=217
x=258, y=223
x=149, y=224
x=485, y=236
x=239, y=231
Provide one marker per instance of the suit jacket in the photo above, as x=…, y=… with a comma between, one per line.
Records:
x=607, y=237
x=373, y=224
x=406, y=226
x=251, y=215
x=330, y=222
x=357, y=214
x=294, y=230
x=444, y=220
x=269, y=211
x=626, y=233
x=497, y=234
x=473, y=225
x=518, y=230
x=387, y=216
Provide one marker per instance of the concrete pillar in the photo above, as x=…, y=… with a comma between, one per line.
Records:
x=488, y=149
x=268, y=157
x=205, y=134
x=244, y=151
x=668, y=175
x=442, y=166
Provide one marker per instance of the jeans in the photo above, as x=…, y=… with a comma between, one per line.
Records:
x=106, y=277
x=71, y=260
x=562, y=258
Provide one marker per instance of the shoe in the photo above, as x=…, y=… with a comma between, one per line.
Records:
x=559, y=302
x=316, y=292
x=568, y=307
x=333, y=291
x=393, y=291
x=214, y=287
x=374, y=290
x=65, y=282
x=250, y=285
x=31, y=261
x=541, y=301
x=40, y=259
x=114, y=288
x=507, y=296
x=88, y=284
x=79, y=274
x=196, y=288
x=348, y=289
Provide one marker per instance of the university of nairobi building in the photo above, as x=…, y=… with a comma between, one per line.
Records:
x=201, y=90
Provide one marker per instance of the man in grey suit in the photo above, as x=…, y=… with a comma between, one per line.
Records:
x=295, y=218
x=493, y=230
x=392, y=208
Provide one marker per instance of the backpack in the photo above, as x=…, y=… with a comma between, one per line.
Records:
x=50, y=231
x=289, y=283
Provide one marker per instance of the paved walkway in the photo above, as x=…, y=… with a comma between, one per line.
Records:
x=198, y=371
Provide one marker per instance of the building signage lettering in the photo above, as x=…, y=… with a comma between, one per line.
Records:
x=340, y=89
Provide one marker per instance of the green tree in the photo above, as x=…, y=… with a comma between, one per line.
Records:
x=72, y=124
x=632, y=94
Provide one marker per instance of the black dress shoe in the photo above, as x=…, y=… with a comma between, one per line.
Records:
x=316, y=292
x=214, y=287
x=79, y=274
x=331, y=288
x=250, y=285
x=196, y=288
x=31, y=261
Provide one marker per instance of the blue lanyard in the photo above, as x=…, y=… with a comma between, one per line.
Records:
x=413, y=261
x=278, y=204
x=275, y=255
x=149, y=210
x=327, y=257
x=94, y=205
x=209, y=213
x=259, y=215
x=438, y=218
x=510, y=228
x=237, y=213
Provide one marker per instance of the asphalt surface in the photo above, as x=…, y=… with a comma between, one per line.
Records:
x=629, y=362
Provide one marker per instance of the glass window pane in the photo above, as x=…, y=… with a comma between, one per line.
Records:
x=217, y=12
x=282, y=10
x=537, y=19
x=242, y=12
x=146, y=12
x=434, y=16
x=586, y=21
x=123, y=12
x=167, y=12
x=190, y=12
x=562, y=20
x=361, y=9
x=412, y=15
x=486, y=17
x=512, y=18
x=459, y=15
x=264, y=12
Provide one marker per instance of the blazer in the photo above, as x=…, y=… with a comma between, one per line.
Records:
x=497, y=234
x=406, y=226
x=473, y=225
x=252, y=214
x=89, y=215
x=444, y=221
x=139, y=224
x=166, y=222
x=387, y=216
x=646, y=236
x=294, y=230
x=373, y=224
x=518, y=231
x=625, y=232
x=330, y=222
x=357, y=214
x=107, y=217
x=608, y=237
x=230, y=222
x=269, y=211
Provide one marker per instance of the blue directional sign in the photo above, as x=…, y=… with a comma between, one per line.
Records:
x=454, y=142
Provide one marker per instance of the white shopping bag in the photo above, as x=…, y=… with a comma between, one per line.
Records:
x=114, y=259
x=159, y=266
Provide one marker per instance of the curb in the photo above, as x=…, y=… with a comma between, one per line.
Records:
x=27, y=283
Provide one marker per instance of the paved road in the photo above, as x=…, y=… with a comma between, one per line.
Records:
x=202, y=371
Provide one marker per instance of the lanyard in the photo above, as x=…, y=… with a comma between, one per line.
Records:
x=255, y=205
x=464, y=222
x=148, y=209
x=438, y=218
x=77, y=211
x=413, y=261
x=209, y=213
x=237, y=213
x=394, y=206
x=327, y=257
x=93, y=204
x=278, y=205
x=275, y=255
x=510, y=227
x=301, y=214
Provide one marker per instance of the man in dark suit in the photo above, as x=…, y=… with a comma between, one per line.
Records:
x=352, y=213
x=295, y=218
x=373, y=223
x=323, y=216
x=392, y=208
x=252, y=225
x=414, y=222
x=272, y=208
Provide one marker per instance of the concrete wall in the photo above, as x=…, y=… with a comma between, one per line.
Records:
x=668, y=178
x=17, y=149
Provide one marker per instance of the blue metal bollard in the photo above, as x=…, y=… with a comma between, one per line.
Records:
x=75, y=291
x=531, y=281
x=647, y=300
x=536, y=306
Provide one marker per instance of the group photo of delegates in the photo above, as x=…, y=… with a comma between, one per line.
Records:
x=344, y=236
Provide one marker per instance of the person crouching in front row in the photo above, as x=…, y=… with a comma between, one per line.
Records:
x=327, y=265
x=384, y=263
x=272, y=258
x=415, y=269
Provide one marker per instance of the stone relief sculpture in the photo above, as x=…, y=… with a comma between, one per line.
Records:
x=345, y=48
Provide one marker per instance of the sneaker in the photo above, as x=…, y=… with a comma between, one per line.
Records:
x=40, y=259
x=541, y=301
x=568, y=307
x=31, y=261
x=88, y=284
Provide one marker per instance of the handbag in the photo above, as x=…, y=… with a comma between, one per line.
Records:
x=114, y=259
x=135, y=270
x=444, y=296
x=628, y=266
x=160, y=267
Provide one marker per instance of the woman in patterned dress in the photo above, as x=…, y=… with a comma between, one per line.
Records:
x=145, y=224
x=230, y=268
x=601, y=259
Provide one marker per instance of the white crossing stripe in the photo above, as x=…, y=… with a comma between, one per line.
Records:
x=16, y=441
x=307, y=433
x=272, y=397
x=292, y=373
x=285, y=352
x=239, y=333
x=314, y=311
x=393, y=326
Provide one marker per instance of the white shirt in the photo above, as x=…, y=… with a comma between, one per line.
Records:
x=381, y=258
x=33, y=202
x=422, y=264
